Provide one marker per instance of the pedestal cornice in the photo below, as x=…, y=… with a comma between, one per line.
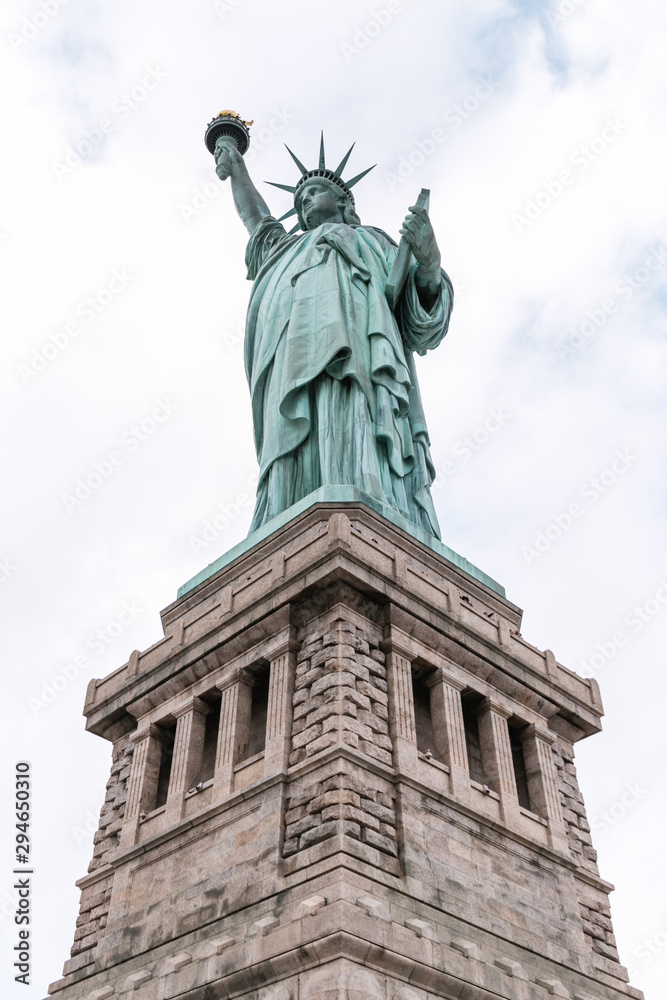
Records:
x=210, y=635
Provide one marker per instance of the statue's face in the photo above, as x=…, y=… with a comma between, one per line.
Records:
x=318, y=204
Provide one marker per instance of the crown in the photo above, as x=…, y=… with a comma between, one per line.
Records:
x=333, y=176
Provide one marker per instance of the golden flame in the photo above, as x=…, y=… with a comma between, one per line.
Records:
x=233, y=114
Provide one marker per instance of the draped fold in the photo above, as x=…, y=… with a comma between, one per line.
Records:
x=332, y=378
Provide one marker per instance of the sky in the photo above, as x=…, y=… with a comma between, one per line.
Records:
x=539, y=129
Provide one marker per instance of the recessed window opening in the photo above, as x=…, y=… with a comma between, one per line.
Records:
x=473, y=746
x=421, y=697
x=166, y=758
x=519, y=764
x=256, y=737
x=207, y=768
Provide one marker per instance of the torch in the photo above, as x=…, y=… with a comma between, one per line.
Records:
x=230, y=125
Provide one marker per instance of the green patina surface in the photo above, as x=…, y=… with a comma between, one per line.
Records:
x=337, y=495
x=329, y=354
x=336, y=314
x=335, y=397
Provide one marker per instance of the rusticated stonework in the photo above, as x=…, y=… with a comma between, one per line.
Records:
x=341, y=697
x=593, y=905
x=107, y=838
x=574, y=811
x=94, y=906
x=343, y=775
x=341, y=672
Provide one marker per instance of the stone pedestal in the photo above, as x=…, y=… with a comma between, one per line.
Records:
x=371, y=791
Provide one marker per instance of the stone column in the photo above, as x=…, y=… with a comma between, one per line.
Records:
x=235, y=707
x=188, y=752
x=494, y=738
x=449, y=730
x=542, y=787
x=142, y=786
x=279, y=714
x=401, y=703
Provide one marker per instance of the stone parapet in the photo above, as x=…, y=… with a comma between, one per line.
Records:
x=360, y=545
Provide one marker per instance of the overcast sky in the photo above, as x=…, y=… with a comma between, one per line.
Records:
x=539, y=128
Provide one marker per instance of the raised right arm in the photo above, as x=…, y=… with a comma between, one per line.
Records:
x=249, y=203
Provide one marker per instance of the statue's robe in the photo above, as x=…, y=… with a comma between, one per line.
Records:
x=334, y=390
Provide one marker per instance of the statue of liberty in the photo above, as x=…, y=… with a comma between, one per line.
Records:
x=328, y=352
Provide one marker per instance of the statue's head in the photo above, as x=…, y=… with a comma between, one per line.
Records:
x=320, y=200
x=333, y=196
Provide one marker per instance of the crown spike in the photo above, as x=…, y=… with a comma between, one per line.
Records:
x=304, y=170
x=283, y=187
x=294, y=229
x=287, y=215
x=334, y=176
x=355, y=180
x=343, y=163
